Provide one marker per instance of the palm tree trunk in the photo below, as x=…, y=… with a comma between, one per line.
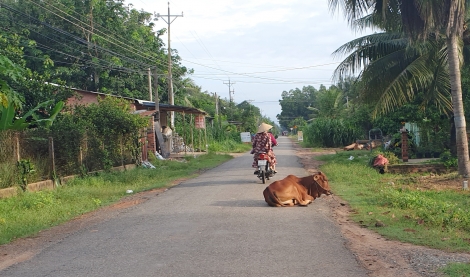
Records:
x=457, y=105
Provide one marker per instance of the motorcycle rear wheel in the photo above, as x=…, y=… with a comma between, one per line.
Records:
x=267, y=170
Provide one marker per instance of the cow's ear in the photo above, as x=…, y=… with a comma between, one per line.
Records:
x=316, y=177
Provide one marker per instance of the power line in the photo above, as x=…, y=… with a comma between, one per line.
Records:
x=114, y=42
x=242, y=75
x=81, y=41
x=278, y=81
x=93, y=30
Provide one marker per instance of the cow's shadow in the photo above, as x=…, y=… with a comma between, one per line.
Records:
x=241, y=203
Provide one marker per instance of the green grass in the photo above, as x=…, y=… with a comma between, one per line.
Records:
x=229, y=146
x=8, y=173
x=436, y=219
x=457, y=270
x=28, y=213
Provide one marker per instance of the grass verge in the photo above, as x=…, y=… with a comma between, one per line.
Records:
x=399, y=207
x=28, y=213
x=229, y=146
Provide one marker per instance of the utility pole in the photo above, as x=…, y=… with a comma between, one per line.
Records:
x=216, y=106
x=230, y=91
x=150, y=84
x=156, y=121
x=170, y=77
x=155, y=87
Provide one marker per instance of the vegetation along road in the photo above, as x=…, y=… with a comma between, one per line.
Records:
x=217, y=224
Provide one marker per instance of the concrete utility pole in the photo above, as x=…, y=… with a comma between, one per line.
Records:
x=170, y=77
x=150, y=84
x=155, y=87
x=216, y=106
x=230, y=91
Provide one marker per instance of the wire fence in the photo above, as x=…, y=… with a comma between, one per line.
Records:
x=37, y=155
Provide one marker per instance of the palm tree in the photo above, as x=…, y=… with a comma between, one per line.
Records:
x=418, y=19
x=392, y=71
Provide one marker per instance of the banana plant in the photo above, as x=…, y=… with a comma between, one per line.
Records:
x=9, y=122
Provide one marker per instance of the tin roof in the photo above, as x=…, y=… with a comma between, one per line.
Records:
x=168, y=107
x=150, y=105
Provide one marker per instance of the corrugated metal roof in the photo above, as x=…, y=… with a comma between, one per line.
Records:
x=168, y=107
x=150, y=104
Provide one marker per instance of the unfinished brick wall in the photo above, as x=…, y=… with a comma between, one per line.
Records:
x=151, y=142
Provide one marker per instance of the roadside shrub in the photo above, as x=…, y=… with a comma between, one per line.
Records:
x=328, y=132
x=448, y=160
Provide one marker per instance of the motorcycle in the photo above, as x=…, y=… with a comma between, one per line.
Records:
x=264, y=171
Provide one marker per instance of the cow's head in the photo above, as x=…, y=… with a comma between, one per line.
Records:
x=322, y=181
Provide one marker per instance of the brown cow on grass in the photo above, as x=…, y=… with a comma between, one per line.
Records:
x=293, y=190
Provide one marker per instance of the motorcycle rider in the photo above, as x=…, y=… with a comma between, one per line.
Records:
x=273, y=138
x=262, y=143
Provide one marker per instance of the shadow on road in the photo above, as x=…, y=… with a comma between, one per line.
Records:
x=210, y=182
x=241, y=203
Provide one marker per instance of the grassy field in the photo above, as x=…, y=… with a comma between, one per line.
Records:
x=401, y=207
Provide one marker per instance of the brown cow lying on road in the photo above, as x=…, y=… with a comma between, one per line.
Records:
x=293, y=190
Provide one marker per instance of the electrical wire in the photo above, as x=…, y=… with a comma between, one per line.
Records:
x=81, y=41
x=131, y=49
x=242, y=75
x=75, y=24
x=112, y=65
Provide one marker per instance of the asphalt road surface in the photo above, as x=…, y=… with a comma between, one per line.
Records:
x=217, y=224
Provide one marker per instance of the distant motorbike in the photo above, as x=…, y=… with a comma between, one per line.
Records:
x=264, y=171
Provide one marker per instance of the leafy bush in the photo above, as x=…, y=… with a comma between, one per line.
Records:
x=102, y=133
x=448, y=160
x=391, y=157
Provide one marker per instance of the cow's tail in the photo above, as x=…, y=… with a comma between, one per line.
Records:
x=271, y=198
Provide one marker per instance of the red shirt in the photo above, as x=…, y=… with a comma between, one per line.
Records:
x=273, y=139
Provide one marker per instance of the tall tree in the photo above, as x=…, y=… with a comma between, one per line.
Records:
x=329, y=102
x=295, y=103
x=97, y=45
x=420, y=18
x=392, y=71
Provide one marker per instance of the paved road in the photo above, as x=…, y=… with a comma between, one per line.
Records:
x=217, y=224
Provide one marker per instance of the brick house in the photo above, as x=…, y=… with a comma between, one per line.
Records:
x=154, y=141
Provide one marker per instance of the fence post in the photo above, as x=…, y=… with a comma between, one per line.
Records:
x=52, y=159
x=80, y=156
x=184, y=133
x=122, y=153
x=191, y=125
x=17, y=147
x=205, y=141
x=404, y=144
x=200, y=140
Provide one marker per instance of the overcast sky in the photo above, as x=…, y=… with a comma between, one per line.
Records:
x=262, y=47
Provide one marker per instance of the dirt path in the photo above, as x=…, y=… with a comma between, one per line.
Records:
x=381, y=256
